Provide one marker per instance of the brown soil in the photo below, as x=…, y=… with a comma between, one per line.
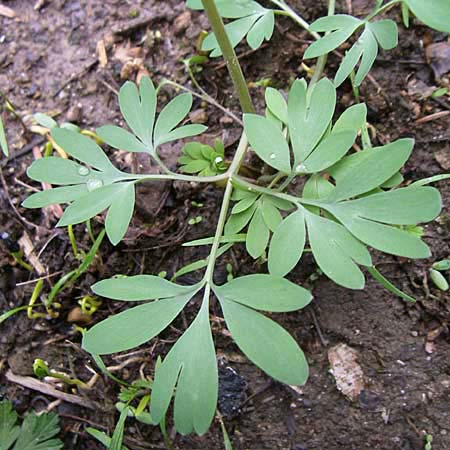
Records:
x=48, y=63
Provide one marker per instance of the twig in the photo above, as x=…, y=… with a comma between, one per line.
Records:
x=44, y=388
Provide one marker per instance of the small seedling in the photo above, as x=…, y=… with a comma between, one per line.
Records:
x=350, y=201
x=41, y=370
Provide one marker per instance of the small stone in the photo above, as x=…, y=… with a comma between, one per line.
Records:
x=75, y=113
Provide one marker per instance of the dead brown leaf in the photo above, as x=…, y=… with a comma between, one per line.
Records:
x=347, y=372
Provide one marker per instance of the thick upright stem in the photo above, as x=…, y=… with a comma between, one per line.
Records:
x=233, y=65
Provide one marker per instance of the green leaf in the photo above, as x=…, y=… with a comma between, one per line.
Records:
x=317, y=187
x=117, y=437
x=54, y=196
x=90, y=204
x=352, y=118
x=195, y=166
x=309, y=115
x=388, y=285
x=191, y=361
x=335, y=22
x=103, y=438
x=265, y=343
x=434, y=13
x=264, y=292
x=82, y=148
x=370, y=51
x=405, y=206
x=257, y=235
x=270, y=213
x=231, y=9
x=330, y=150
x=182, y=132
x=386, y=33
x=384, y=237
x=261, y=30
x=268, y=142
x=9, y=431
x=287, y=244
x=37, y=433
x=349, y=62
x=45, y=120
x=139, y=110
x=121, y=139
x=3, y=141
x=236, y=31
x=236, y=222
x=171, y=115
x=243, y=204
x=355, y=174
x=120, y=213
x=276, y=104
x=135, y=326
x=56, y=170
x=344, y=26
x=337, y=252
x=138, y=288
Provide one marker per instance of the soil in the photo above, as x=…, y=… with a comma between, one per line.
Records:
x=48, y=63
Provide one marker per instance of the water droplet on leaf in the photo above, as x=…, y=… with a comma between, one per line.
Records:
x=83, y=171
x=94, y=184
x=300, y=168
x=272, y=156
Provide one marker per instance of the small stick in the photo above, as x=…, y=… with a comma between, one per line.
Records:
x=44, y=388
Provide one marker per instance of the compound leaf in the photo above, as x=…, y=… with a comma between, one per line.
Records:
x=265, y=343
x=287, y=244
x=265, y=292
x=120, y=213
x=138, y=288
x=268, y=142
x=370, y=51
x=191, y=361
x=133, y=327
x=337, y=252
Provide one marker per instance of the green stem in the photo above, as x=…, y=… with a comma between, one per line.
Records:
x=229, y=55
x=233, y=170
x=321, y=62
x=288, y=11
x=382, y=9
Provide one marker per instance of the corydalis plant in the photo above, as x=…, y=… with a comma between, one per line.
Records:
x=350, y=200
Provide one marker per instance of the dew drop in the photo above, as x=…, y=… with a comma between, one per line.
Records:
x=272, y=156
x=300, y=168
x=218, y=160
x=83, y=171
x=94, y=184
